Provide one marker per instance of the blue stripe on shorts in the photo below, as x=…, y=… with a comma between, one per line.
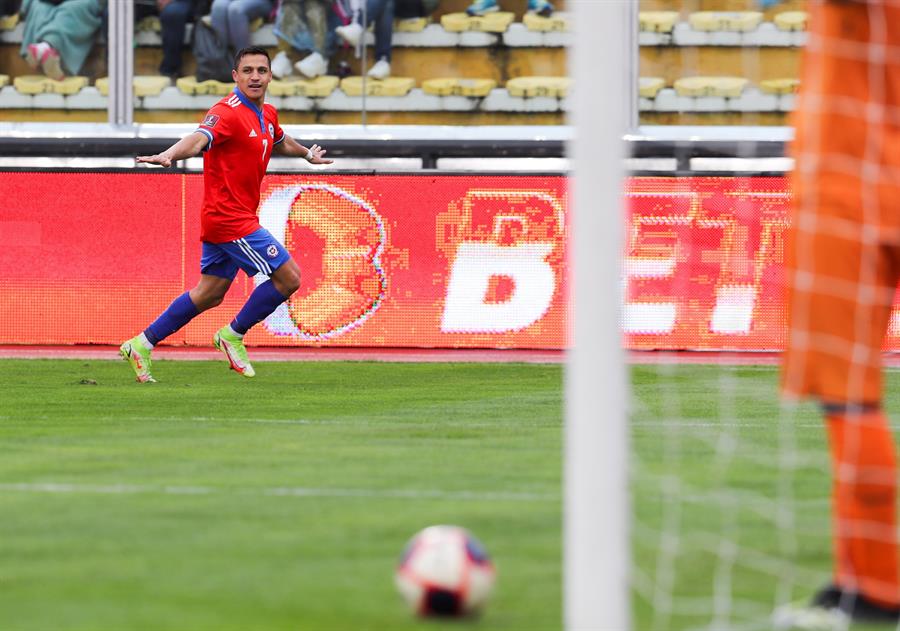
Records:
x=257, y=253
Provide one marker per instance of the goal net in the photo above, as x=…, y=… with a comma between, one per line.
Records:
x=728, y=510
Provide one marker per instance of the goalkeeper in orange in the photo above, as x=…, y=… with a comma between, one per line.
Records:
x=843, y=268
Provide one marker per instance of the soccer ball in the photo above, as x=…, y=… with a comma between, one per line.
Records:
x=445, y=571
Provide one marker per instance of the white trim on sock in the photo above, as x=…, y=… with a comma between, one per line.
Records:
x=143, y=339
x=233, y=332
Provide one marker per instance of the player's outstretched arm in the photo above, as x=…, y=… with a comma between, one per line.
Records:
x=290, y=147
x=188, y=147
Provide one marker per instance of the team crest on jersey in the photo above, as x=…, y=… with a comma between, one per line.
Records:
x=271, y=130
x=272, y=251
x=210, y=120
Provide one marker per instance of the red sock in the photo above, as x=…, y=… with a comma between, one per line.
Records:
x=864, y=465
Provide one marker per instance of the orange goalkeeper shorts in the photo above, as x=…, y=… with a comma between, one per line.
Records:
x=843, y=248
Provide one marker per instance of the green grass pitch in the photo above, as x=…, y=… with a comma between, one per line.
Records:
x=208, y=501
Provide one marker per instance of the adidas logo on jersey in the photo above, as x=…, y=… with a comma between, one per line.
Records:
x=233, y=100
x=252, y=133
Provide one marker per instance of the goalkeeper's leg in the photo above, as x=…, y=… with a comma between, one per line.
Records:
x=864, y=468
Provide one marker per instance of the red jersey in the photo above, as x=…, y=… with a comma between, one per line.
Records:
x=241, y=138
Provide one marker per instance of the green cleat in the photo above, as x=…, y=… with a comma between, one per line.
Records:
x=235, y=351
x=138, y=356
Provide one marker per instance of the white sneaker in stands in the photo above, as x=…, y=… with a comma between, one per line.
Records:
x=350, y=33
x=281, y=66
x=312, y=66
x=381, y=69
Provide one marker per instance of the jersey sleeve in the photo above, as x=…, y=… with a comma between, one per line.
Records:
x=215, y=126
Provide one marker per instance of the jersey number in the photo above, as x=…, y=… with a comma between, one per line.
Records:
x=265, y=146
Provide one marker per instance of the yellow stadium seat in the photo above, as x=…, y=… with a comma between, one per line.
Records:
x=779, y=86
x=392, y=86
x=31, y=84
x=539, y=86
x=791, y=20
x=39, y=84
x=149, y=23
x=318, y=87
x=256, y=24
x=68, y=86
x=491, y=23
x=440, y=87
x=649, y=87
x=658, y=21
x=8, y=22
x=190, y=85
x=729, y=87
x=143, y=85
x=725, y=20
x=459, y=87
x=555, y=22
x=411, y=25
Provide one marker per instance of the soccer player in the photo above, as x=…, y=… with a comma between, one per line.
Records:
x=843, y=269
x=237, y=136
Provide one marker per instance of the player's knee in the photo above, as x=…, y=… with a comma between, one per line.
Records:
x=289, y=282
x=204, y=299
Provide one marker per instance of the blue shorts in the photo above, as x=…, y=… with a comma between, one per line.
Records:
x=257, y=253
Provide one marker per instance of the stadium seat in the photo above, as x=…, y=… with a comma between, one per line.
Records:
x=728, y=87
x=318, y=87
x=146, y=85
x=556, y=22
x=658, y=21
x=9, y=22
x=150, y=23
x=392, y=86
x=739, y=21
x=649, y=87
x=539, y=86
x=411, y=25
x=791, y=20
x=190, y=85
x=459, y=87
x=491, y=23
x=39, y=84
x=779, y=86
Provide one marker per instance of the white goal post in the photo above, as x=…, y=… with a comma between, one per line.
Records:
x=596, y=557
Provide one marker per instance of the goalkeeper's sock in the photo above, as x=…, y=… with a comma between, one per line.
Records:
x=864, y=466
x=180, y=312
x=263, y=301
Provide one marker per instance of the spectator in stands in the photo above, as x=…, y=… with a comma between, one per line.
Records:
x=173, y=18
x=381, y=14
x=231, y=20
x=414, y=9
x=481, y=7
x=305, y=25
x=59, y=35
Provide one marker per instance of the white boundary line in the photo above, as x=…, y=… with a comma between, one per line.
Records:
x=278, y=491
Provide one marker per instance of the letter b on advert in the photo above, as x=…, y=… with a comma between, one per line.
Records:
x=505, y=249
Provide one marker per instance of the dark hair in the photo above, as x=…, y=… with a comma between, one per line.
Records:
x=251, y=50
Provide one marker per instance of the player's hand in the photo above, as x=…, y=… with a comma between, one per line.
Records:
x=160, y=159
x=318, y=156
